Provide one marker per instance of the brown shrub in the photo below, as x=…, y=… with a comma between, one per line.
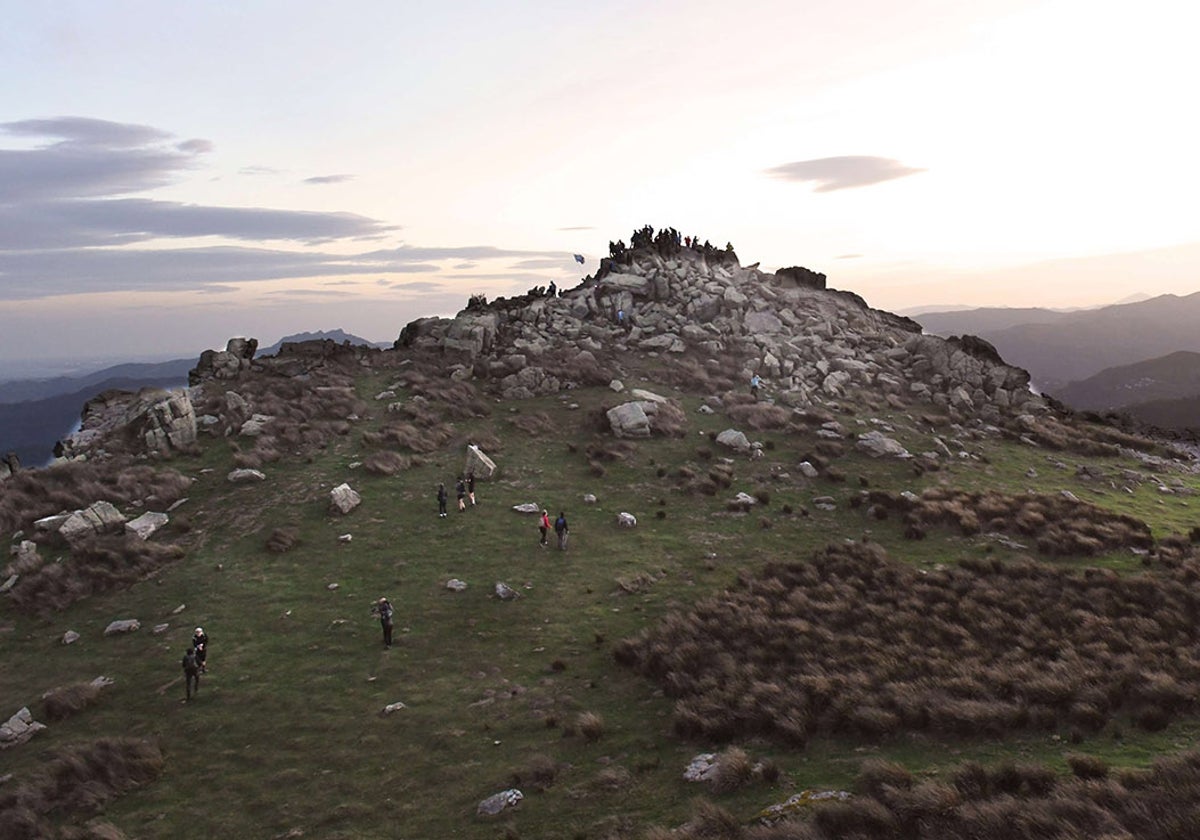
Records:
x=77, y=780
x=63, y=702
x=536, y=424
x=759, y=416
x=97, y=565
x=733, y=770
x=538, y=773
x=387, y=463
x=282, y=539
x=590, y=726
x=862, y=643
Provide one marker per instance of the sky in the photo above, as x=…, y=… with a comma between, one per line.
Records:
x=172, y=175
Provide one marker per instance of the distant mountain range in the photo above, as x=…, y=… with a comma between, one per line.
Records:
x=37, y=413
x=1062, y=347
x=1141, y=358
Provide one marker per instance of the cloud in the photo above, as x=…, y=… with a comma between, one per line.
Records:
x=258, y=170
x=422, y=286
x=328, y=179
x=843, y=173
x=68, y=224
x=118, y=221
x=848, y=256
x=578, y=227
x=91, y=158
x=542, y=262
x=463, y=266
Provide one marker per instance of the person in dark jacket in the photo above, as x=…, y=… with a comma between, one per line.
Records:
x=441, y=500
x=383, y=609
x=191, y=673
x=561, y=529
x=461, y=490
x=471, y=488
x=200, y=646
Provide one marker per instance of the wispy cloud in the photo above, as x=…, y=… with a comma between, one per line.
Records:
x=68, y=223
x=328, y=179
x=848, y=256
x=578, y=227
x=843, y=173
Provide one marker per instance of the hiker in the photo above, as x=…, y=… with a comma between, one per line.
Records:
x=621, y=318
x=755, y=384
x=191, y=674
x=461, y=489
x=544, y=527
x=441, y=500
x=200, y=646
x=471, y=488
x=560, y=528
x=552, y=290
x=383, y=609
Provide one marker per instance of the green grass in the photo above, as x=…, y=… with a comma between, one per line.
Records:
x=287, y=732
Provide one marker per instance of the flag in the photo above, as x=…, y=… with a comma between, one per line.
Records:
x=579, y=258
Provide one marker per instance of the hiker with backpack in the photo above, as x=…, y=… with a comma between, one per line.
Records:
x=560, y=528
x=383, y=609
x=191, y=674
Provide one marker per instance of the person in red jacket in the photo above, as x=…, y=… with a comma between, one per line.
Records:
x=544, y=526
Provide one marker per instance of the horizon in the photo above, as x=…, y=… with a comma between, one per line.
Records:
x=363, y=166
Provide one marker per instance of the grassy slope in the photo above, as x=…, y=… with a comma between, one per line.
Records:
x=286, y=733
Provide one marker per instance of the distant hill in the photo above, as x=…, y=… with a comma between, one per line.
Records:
x=339, y=336
x=26, y=390
x=1182, y=413
x=1170, y=377
x=1061, y=347
x=984, y=320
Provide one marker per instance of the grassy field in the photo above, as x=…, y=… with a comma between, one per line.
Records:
x=286, y=737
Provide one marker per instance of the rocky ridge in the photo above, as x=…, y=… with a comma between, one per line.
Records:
x=812, y=344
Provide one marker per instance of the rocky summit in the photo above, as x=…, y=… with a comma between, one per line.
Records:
x=812, y=344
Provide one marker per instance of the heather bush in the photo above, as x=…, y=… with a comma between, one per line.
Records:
x=77, y=780
x=854, y=642
x=63, y=702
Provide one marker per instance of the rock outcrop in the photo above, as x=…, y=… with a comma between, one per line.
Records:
x=150, y=421
x=814, y=345
x=224, y=364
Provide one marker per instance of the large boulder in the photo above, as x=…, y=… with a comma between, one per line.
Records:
x=735, y=440
x=145, y=525
x=343, y=499
x=878, y=445
x=478, y=464
x=18, y=729
x=629, y=420
x=96, y=518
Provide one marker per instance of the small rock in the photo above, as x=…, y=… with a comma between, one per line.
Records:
x=589, y=498
x=505, y=592
x=159, y=629
x=179, y=609
x=343, y=499
x=808, y=470
x=391, y=708
x=331, y=587
x=345, y=538
x=245, y=476
x=626, y=520
x=701, y=768
x=527, y=507
x=497, y=802
x=70, y=637
x=125, y=625
x=456, y=585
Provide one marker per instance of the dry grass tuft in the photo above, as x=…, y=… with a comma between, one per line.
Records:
x=387, y=463
x=77, y=780
x=282, y=539
x=65, y=701
x=590, y=725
